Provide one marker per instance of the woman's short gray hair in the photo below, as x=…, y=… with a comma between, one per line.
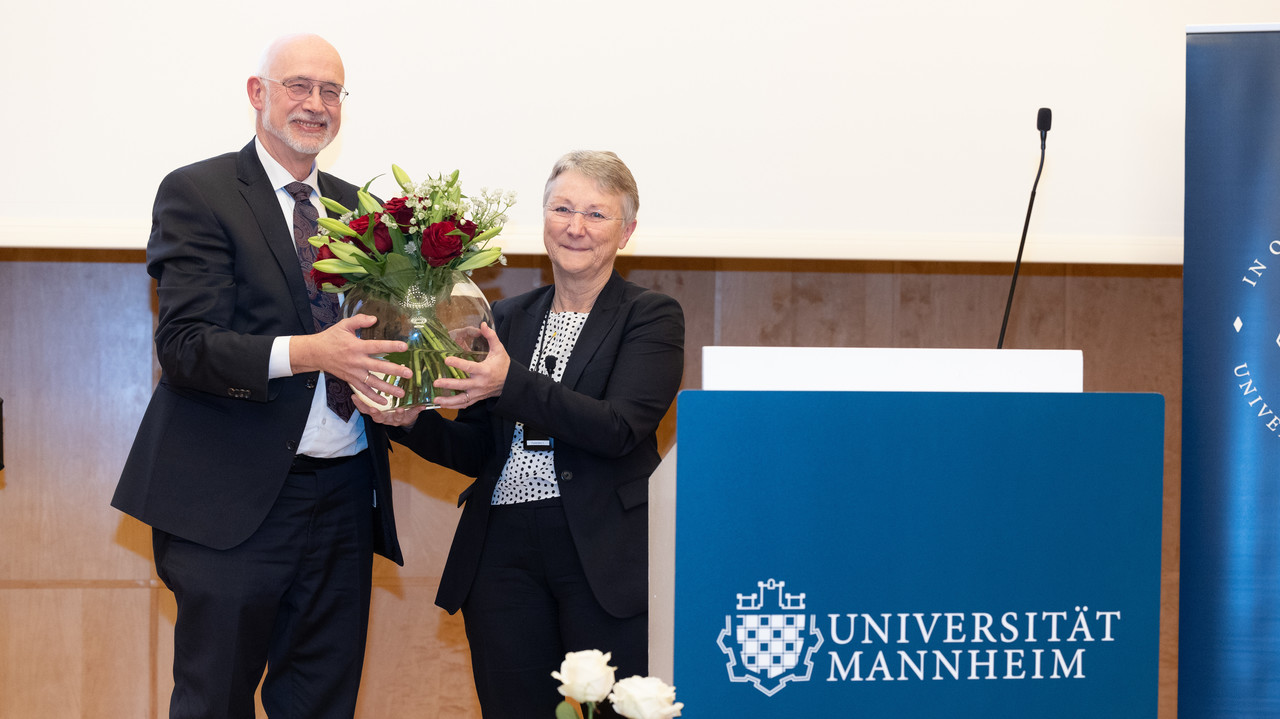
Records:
x=609, y=172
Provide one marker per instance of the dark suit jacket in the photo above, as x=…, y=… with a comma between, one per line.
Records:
x=621, y=378
x=218, y=437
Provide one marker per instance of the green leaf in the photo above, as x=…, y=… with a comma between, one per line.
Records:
x=398, y=273
x=371, y=266
x=367, y=238
x=565, y=710
x=397, y=240
x=404, y=359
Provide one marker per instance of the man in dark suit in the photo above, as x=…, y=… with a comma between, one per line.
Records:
x=267, y=496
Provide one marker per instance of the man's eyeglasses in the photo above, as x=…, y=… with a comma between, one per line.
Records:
x=563, y=215
x=299, y=88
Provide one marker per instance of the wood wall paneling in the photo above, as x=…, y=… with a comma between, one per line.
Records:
x=75, y=651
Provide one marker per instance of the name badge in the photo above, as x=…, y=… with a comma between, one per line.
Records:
x=537, y=441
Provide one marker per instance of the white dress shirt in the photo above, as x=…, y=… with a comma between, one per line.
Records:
x=325, y=435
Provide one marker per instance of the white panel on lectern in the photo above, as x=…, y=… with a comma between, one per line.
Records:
x=883, y=369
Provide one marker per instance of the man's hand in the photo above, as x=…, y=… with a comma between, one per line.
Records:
x=340, y=354
x=398, y=417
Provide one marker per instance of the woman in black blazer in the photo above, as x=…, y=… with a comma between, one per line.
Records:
x=558, y=425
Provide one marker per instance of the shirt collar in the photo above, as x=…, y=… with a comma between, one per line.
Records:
x=278, y=175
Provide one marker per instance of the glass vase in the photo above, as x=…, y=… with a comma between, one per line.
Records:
x=438, y=317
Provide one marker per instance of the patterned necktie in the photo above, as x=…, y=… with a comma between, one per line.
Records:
x=324, y=305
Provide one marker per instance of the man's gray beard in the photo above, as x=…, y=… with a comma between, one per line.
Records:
x=297, y=144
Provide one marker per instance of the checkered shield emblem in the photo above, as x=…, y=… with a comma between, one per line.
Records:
x=769, y=644
x=767, y=648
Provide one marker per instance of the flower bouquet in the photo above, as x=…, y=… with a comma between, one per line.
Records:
x=408, y=262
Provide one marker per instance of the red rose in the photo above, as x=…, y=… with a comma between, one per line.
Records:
x=324, y=253
x=438, y=246
x=359, y=224
x=467, y=227
x=397, y=208
x=381, y=235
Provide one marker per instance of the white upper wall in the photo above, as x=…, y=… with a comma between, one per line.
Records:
x=875, y=129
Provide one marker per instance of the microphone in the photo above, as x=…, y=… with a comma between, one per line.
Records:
x=1044, y=119
x=550, y=362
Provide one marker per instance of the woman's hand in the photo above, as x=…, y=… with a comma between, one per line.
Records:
x=486, y=378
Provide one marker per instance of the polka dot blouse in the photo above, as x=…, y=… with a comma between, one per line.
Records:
x=530, y=475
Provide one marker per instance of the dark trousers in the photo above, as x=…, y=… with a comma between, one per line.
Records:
x=293, y=598
x=529, y=605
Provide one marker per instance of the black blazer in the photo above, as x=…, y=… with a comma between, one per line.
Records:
x=218, y=438
x=621, y=378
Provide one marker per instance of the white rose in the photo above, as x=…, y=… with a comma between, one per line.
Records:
x=585, y=676
x=645, y=698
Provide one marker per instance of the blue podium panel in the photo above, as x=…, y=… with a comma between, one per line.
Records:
x=918, y=555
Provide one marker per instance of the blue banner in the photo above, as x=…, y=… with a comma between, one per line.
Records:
x=961, y=555
x=1229, y=626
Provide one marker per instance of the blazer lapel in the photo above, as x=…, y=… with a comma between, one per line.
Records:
x=522, y=337
x=604, y=313
x=335, y=190
x=261, y=198
x=526, y=323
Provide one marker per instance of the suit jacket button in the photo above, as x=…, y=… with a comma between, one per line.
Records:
x=311, y=383
x=566, y=475
x=293, y=446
